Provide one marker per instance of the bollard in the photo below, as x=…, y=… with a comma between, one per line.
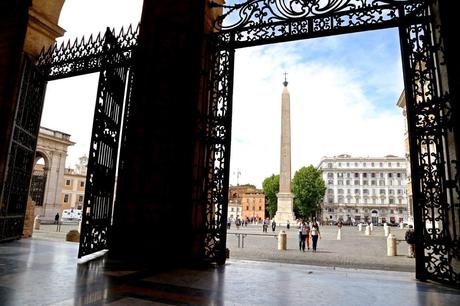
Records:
x=391, y=245
x=37, y=223
x=367, y=232
x=372, y=226
x=386, y=230
x=401, y=225
x=339, y=234
x=282, y=240
x=79, y=226
x=360, y=227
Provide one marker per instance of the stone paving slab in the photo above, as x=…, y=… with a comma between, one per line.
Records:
x=355, y=250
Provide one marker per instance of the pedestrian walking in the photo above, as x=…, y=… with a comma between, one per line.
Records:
x=315, y=234
x=302, y=234
x=273, y=225
x=56, y=218
x=288, y=225
x=307, y=235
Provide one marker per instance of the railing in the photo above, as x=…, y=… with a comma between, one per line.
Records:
x=241, y=237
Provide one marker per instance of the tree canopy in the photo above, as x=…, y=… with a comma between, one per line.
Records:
x=271, y=186
x=308, y=187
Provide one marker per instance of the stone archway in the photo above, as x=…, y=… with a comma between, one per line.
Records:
x=52, y=145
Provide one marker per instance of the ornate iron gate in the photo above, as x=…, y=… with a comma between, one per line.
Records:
x=102, y=162
x=111, y=55
x=15, y=191
x=432, y=149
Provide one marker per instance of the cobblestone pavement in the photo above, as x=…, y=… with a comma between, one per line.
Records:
x=354, y=250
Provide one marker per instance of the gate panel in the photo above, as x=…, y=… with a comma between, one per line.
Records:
x=102, y=161
x=22, y=152
x=432, y=153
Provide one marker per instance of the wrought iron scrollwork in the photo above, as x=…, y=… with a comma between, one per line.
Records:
x=261, y=21
x=433, y=151
x=102, y=161
x=86, y=55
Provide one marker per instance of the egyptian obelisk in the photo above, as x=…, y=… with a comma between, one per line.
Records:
x=285, y=205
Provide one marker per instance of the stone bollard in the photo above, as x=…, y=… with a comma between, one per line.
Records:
x=339, y=234
x=37, y=223
x=367, y=232
x=79, y=226
x=401, y=225
x=391, y=245
x=386, y=230
x=282, y=240
x=360, y=227
x=372, y=226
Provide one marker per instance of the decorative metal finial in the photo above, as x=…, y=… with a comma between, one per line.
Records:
x=285, y=83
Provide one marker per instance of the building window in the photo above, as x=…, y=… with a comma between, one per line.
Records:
x=330, y=200
x=356, y=191
x=398, y=164
x=330, y=182
x=356, y=164
x=381, y=183
x=329, y=165
x=82, y=184
x=373, y=175
x=66, y=198
x=349, y=175
x=364, y=174
x=340, y=191
x=398, y=175
x=330, y=175
x=364, y=164
x=356, y=174
x=392, y=211
x=356, y=211
x=339, y=182
x=80, y=198
x=340, y=164
x=347, y=182
x=67, y=182
x=233, y=209
x=381, y=164
x=247, y=207
x=340, y=175
x=399, y=201
x=330, y=191
x=260, y=207
x=391, y=191
x=373, y=183
x=348, y=164
x=400, y=211
x=392, y=201
x=372, y=164
x=365, y=182
x=366, y=191
x=382, y=191
x=356, y=182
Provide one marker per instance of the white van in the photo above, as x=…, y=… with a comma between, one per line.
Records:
x=71, y=214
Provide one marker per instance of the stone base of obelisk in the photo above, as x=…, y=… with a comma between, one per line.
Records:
x=285, y=209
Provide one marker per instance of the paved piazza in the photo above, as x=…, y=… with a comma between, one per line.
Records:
x=355, y=250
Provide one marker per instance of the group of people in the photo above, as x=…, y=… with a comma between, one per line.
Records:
x=308, y=230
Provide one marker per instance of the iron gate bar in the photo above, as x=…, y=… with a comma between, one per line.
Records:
x=86, y=56
x=434, y=172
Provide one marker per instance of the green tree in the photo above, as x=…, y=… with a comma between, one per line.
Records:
x=271, y=186
x=308, y=187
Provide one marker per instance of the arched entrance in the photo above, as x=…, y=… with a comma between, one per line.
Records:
x=432, y=147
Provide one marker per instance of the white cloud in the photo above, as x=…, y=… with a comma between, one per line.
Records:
x=330, y=113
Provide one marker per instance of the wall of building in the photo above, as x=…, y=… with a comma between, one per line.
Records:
x=364, y=189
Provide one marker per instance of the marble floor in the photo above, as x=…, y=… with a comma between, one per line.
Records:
x=40, y=272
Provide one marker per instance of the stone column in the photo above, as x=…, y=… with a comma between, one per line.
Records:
x=285, y=202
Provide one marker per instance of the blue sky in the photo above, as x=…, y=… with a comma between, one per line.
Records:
x=343, y=90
